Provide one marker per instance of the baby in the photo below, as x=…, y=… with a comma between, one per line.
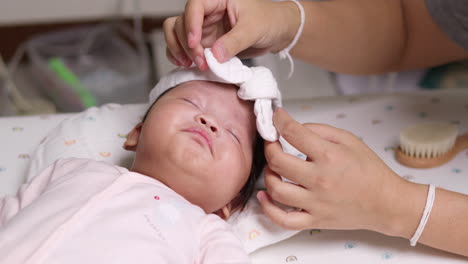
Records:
x=207, y=137
x=197, y=157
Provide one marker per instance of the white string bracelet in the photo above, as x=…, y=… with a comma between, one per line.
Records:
x=285, y=52
x=425, y=216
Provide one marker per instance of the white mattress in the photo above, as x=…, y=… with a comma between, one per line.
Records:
x=377, y=119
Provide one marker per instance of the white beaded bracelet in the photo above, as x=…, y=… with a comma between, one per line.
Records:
x=285, y=52
x=425, y=216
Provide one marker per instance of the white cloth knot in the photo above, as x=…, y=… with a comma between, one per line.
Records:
x=255, y=84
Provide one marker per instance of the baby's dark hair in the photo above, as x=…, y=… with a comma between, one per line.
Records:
x=258, y=163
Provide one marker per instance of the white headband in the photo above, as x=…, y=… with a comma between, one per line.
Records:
x=255, y=84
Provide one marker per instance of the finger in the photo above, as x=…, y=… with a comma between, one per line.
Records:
x=289, y=166
x=286, y=193
x=195, y=12
x=172, y=59
x=303, y=139
x=179, y=30
x=331, y=133
x=194, y=16
x=173, y=44
x=290, y=220
x=239, y=38
x=191, y=53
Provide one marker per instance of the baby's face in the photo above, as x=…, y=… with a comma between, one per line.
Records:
x=198, y=139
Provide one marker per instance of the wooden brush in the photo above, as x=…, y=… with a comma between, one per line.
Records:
x=429, y=145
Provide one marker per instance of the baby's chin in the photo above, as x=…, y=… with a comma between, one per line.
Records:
x=189, y=181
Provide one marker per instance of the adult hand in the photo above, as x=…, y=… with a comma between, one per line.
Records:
x=343, y=184
x=252, y=27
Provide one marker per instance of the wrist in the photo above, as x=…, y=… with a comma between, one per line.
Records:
x=405, y=210
x=290, y=15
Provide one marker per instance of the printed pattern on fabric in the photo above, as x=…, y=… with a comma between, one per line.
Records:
x=376, y=120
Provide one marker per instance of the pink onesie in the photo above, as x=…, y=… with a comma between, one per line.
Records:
x=84, y=211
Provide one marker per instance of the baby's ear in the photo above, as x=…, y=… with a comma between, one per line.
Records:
x=132, y=138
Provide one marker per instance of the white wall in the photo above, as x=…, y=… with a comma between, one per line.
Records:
x=41, y=11
x=307, y=81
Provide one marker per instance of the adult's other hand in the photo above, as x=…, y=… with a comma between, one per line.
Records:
x=343, y=184
x=245, y=27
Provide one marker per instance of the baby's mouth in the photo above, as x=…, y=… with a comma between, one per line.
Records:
x=202, y=137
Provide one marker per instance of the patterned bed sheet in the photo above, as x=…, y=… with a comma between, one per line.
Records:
x=19, y=137
x=377, y=120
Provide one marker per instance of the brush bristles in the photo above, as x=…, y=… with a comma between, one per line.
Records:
x=429, y=140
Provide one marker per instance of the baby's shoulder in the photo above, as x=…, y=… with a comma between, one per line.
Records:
x=211, y=223
x=82, y=169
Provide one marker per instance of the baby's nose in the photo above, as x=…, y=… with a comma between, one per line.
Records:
x=208, y=123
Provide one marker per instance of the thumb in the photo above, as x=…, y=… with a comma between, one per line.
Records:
x=239, y=38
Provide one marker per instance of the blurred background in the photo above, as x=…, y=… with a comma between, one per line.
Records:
x=65, y=56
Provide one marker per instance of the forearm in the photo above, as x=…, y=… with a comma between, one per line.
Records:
x=446, y=227
x=373, y=36
x=357, y=37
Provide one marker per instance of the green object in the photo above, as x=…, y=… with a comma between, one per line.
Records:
x=69, y=78
x=453, y=75
x=434, y=77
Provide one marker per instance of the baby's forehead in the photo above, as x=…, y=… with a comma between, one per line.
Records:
x=208, y=86
x=212, y=92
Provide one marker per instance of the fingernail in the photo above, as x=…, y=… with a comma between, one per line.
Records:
x=199, y=61
x=219, y=52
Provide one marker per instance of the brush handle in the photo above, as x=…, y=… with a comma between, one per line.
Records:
x=424, y=163
x=461, y=143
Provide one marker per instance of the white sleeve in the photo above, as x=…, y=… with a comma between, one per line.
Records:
x=28, y=192
x=218, y=243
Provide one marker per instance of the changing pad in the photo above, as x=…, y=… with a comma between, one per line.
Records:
x=376, y=119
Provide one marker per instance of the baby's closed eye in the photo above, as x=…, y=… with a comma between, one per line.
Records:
x=233, y=134
x=190, y=101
